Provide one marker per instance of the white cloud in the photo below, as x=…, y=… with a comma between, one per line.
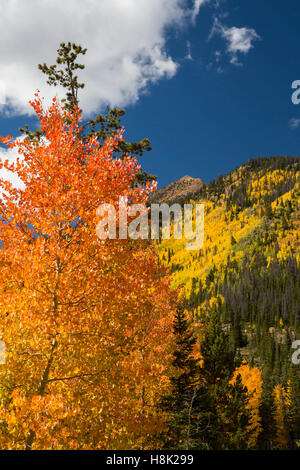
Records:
x=126, y=41
x=11, y=155
x=197, y=5
x=235, y=61
x=2, y=93
x=294, y=123
x=239, y=40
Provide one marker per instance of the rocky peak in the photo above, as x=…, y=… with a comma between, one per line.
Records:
x=177, y=191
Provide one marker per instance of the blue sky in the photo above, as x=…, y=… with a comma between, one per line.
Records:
x=228, y=100
x=204, y=123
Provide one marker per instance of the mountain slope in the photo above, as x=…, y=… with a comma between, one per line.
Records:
x=248, y=268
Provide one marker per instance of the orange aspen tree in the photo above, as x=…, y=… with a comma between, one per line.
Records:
x=86, y=322
x=252, y=379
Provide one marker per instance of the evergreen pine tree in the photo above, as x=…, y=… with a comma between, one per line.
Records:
x=190, y=420
x=64, y=74
x=266, y=439
x=229, y=398
x=294, y=405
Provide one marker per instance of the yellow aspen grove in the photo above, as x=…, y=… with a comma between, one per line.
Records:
x=86, y=322
x=252, y=379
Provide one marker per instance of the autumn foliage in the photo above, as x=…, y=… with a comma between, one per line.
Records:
x=252, y=379
x=86, y=322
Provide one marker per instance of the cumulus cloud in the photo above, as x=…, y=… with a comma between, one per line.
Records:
x=126, y=41
x=294, y=123
x=239, y=40
x=11, y=155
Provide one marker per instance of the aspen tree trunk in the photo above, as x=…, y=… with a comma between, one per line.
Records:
x=42, y=388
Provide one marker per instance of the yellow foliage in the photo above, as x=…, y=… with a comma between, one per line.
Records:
x=252, y=379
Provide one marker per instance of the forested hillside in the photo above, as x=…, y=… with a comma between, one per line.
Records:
x=247, y=273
